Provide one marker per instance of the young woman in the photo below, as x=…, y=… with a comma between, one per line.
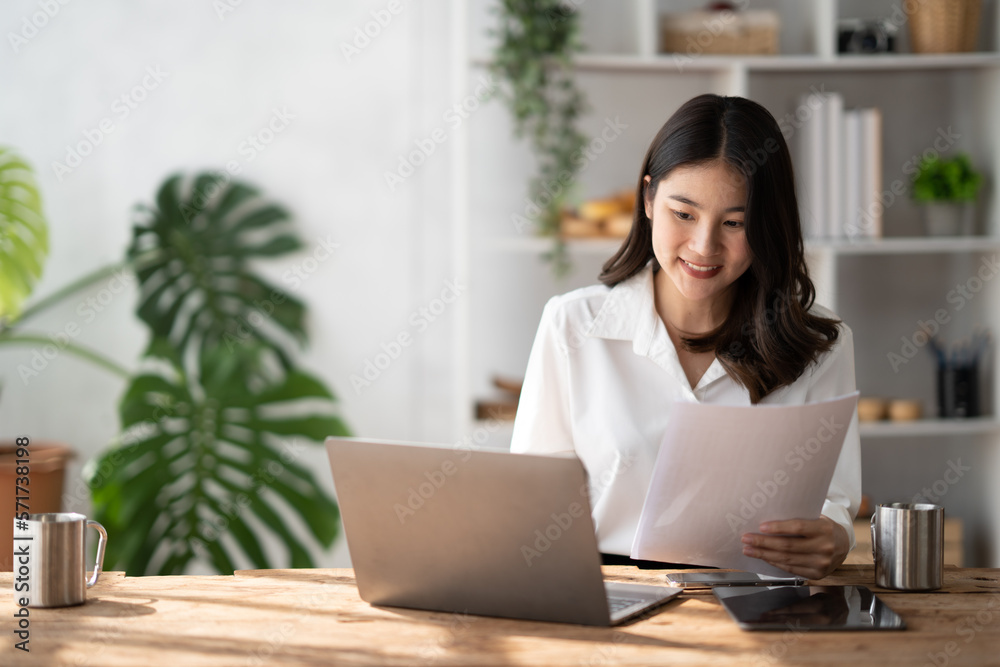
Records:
x=707, y=300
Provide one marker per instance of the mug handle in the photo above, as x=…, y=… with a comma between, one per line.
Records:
x=874, y=557
x=102, y=542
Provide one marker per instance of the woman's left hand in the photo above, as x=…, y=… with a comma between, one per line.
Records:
x=808, y=548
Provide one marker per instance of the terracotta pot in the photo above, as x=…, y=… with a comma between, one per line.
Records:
x=47, y=472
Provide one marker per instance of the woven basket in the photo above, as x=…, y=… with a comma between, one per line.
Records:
x=698, y=32
x=944, y=26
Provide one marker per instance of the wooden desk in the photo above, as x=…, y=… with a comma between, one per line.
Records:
x=315, y=617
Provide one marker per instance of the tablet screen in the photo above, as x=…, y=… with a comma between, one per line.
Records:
x=808, y=608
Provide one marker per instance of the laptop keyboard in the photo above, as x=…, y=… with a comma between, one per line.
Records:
x=616, y=604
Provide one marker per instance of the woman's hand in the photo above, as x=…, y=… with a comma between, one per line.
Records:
x=808, y=548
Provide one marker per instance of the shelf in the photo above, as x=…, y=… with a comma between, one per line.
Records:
x=680, y=62
x=930, y=427
x=882, y=429
x=885, y=246
x=894, y=62
x=905, y=245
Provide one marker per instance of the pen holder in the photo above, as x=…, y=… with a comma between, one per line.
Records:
x=958, y=390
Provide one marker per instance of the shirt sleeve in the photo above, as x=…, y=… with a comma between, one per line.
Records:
x=835, y=377
x=543, y=422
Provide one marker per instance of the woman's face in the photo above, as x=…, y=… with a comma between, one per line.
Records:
x=698, y=230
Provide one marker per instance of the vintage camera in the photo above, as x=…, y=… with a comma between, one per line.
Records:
x=861, y=36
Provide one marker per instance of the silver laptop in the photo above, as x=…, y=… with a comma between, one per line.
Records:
x=478, y=532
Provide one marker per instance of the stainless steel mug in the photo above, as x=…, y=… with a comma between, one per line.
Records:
x=908, y=546
x=49, y=558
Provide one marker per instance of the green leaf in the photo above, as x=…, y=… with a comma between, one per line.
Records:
x=939, y=179
x=193, y=252
x=183, y=480
x=533, y=62
x=24, y=240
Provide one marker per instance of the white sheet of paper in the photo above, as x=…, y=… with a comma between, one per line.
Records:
x=722, y=470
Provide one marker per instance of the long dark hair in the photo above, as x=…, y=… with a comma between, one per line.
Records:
x=769, y=337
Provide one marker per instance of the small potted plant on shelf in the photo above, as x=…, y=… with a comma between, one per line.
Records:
x=947, y=188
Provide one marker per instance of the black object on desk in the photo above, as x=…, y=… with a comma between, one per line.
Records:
x=807, y=608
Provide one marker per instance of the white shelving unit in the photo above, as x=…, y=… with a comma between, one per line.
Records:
x=882, y=288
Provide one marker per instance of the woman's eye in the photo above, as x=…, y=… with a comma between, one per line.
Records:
x=681, y=215
x=735, y=224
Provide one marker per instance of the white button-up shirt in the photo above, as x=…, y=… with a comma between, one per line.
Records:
x=601, y=380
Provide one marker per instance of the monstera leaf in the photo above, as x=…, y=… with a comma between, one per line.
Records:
x=192, y=254
x=206, y=458
x=24, y=240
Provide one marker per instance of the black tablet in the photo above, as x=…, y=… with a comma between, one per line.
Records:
x=807, y=608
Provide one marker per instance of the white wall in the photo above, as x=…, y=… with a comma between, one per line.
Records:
x=223, y=75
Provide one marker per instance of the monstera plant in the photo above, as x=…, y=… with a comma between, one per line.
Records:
x=208, y=453
x=209, y=457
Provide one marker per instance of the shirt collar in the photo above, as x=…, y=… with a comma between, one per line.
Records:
x=628, y=310
x=629, y=313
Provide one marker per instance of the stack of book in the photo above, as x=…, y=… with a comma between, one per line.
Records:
x=838, y=168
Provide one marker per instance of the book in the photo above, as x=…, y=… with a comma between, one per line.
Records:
x=870, y=223
x=852, y=173
x=839, y=169
x=811, y=168
x=833, y=150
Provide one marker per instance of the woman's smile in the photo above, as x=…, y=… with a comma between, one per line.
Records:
x=697, y=270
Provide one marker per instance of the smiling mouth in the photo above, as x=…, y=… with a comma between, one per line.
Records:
x=696, y=267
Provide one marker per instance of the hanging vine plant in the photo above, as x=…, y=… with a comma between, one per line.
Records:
x=534, y=65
